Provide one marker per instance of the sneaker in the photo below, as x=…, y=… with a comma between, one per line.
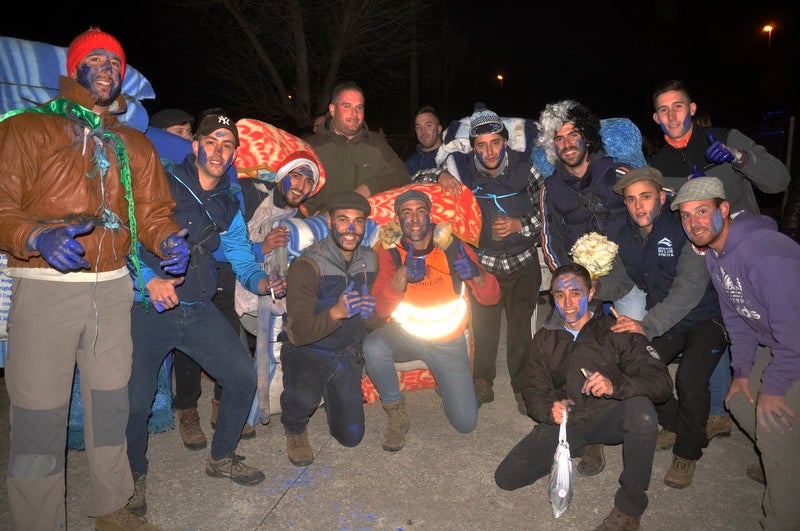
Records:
x=666, y=439
x=231, y=466
x=680, y=474
x=189, y=426
x=248, y=431
x=138, y=502
x=756, y=473
x=521, y=406
x=619, y=521
x=123, y=520
x=593, y=460
x=483, y=391
x=298, y=449
x=718, y=426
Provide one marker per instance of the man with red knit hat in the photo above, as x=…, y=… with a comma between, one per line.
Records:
x=78, y=191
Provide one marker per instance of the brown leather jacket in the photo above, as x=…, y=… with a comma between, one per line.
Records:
x=47, y=178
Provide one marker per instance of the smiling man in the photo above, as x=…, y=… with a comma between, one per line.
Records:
x=727, y=154
x=329, y=310
x=358, y=159
x=756, y=272
x=683, y=314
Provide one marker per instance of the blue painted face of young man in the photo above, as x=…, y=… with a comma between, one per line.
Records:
x=571, y=298
x=415, y=220
x=216, y=152
x=297, y=185
x=100, y=73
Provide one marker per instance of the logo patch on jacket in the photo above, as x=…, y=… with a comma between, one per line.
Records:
x=664, y=248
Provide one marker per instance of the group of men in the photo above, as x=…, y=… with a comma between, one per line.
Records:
x=120, y=267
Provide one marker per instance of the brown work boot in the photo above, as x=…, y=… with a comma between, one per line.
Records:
x=680, y=473
x=718, y=426
x=231, y=466
x=665, y=440
x=138, y=502
x=395, y=437
x=189, y=425
x=483, y=391
x=123, y=520
x=298, y=449
x=521, y=406
x=593, y=460
x=619, y=521
x=756, y=473
x=248, y=431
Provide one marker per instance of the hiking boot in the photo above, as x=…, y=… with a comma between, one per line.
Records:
x=593, y=460
x=718, y=426
x=665, y=440
x=483, y=391
x=248, y=431
x=189, y=425
x=395, y=437
x=680, y=474
x=619, y=521
x=123, y=520
x=138, y=503
x=521, y=406
x=756, y=473
x=298, y=450
x=231, y=466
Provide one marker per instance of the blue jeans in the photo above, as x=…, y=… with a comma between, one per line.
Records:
x=310, y=374
x=203, y=334
x=448, y=361
x=719, y=383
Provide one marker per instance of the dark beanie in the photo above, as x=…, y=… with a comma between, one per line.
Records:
x=347, y=201
x=169, y=117
x=408, y=195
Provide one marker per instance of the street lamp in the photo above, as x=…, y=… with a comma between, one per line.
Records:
x=500, y=79
x=768, y=29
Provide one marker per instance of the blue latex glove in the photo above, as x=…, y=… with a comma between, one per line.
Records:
x=352, y=300
x=718, y=152
x=415, y=267
x=177, y=249
x=367, y=303
x=696, y=172
x=60, y=249
x=464, y=266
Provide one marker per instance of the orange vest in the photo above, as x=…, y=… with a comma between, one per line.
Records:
x=431, y=309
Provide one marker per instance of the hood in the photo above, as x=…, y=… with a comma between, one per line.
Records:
x=747, y=224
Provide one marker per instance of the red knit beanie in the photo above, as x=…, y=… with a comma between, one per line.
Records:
x=93, y=39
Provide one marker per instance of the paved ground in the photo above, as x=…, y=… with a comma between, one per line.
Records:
x=440, y=480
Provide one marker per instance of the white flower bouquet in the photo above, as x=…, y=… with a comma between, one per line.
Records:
x=595, y=252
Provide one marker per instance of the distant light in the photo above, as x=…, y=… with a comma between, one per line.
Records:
x=500, y=77
x=290, y=96
x=768, y=28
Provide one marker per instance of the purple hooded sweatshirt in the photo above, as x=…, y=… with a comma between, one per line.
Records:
x=757, y=276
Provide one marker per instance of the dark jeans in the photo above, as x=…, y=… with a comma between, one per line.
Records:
x=187, y=372
x=310, y=375
x=201, y=332
x=702, y=346
x=631, y=422
x=519, y=294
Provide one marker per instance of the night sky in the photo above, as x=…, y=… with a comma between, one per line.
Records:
x=607, y=55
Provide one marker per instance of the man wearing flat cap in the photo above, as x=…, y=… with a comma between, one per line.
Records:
x=420, y=288
x=329, y=311
x=175, y=121
x=683, y=314
x=756, y=272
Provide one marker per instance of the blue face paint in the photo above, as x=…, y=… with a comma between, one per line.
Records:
x=687, y=122
x=87, y=74
x=716, y=221
x=202, y=156
x=413, y=233
x=500, y=158
x=286, y=184
x=569, y=284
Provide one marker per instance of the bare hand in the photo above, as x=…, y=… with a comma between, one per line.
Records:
x=450, y=185
x=162, y=292
x=773, y=413
x=558, y=410
x=626, y=324
x=597, y=385
x=505, y=226
x=739, y=384
x=277, y=237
